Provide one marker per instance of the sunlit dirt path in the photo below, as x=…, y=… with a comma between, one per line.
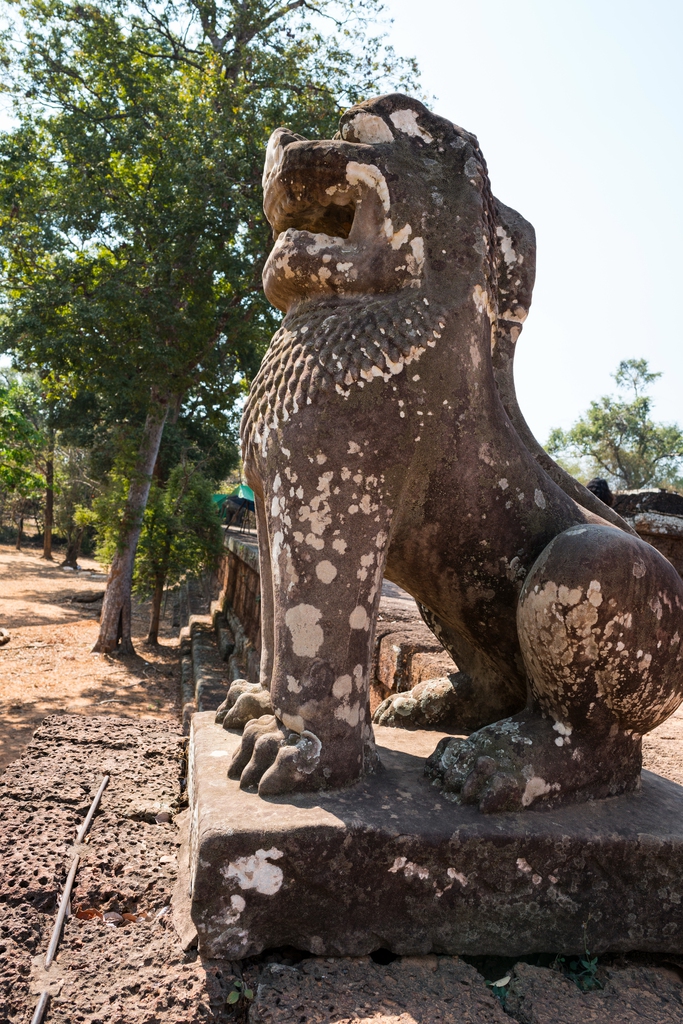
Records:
x=47, y=666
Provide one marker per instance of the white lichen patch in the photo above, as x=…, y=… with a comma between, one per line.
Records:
x=536, y=787
x=325, y=571
x=342, y=687
x=409, y=869
x=293, y=722
x=349, y=713
x=416, y=262
x=358, y=619
x=367, y=128
x=293, y=684
x=307, y=636
x=371, y=177
x=399, y=238
x=406, y=122
x=237, y=905
x=457, y=876
x=509, y=254
x=256, y=872
x=539, y=498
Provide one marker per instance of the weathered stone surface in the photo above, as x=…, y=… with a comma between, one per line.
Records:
x=397, y=664
x=390, y=863
x=631, y=995
x=382, y=436
x=209, y=670
x=657, y=517
x=118, y=970
x=414, y=990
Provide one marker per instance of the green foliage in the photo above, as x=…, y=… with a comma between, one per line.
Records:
x=22, y=437
x=181, y=532
x=499, y=989
x=617, y=439
x=108, y=509
x=239, y=992
x=131, y=226
x=74, y=488
x=582, y=971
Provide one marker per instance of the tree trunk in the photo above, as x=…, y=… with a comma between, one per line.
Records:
x=73, y=549
x=49, y=498
x=157, y=597
x=116, y=607
x=20, y=530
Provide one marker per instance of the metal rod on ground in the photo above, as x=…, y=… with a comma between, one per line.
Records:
x=63, y=906
x=93, y=807
x=66, y=899
x=40, y=1008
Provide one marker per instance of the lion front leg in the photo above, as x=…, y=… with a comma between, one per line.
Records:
x=328, y=532
x=600, y=622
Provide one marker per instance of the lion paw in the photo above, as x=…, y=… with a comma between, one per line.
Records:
x=427, y=704
x=275, y=759
x=531, y=759
x=245, y=701
x=478, y=774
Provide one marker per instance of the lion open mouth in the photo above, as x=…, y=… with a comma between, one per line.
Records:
x=292, y=200
x=328, y=204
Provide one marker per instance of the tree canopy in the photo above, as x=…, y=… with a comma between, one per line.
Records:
x=617, y=439
x=132, y=236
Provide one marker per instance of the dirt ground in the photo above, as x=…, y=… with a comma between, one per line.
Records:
x=47, y=667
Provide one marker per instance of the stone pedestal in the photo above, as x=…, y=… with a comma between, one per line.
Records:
x=391, y=864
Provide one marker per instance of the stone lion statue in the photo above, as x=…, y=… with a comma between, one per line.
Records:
x=382, y=437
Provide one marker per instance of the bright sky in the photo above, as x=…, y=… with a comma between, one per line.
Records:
x=578, y=107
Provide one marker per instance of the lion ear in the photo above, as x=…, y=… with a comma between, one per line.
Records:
x=515, y=255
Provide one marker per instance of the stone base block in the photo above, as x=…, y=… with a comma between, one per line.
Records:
x=391, y=864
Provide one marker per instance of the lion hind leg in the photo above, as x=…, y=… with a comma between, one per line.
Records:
x=600, y=622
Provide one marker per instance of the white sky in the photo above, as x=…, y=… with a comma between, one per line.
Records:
x=578, y=106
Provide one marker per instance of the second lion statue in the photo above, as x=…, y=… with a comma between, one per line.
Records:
x=382, y=437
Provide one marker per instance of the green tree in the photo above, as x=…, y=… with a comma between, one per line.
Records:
x=130, y=207
x=24, y=446
x=74, y=489
x=181, y=536
x=618, y=438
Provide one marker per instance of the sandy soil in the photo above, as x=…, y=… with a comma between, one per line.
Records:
x=47, y=666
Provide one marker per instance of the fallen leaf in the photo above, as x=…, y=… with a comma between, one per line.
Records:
x=88, y=913
x=130, y=917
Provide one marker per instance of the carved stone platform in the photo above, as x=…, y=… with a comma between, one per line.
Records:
x=392, y=864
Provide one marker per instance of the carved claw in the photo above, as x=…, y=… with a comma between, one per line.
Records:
x=483, y=770
x=431, y=702
x=273, y=758
x=245, y=701
x=263, y=757
x=252, y=732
